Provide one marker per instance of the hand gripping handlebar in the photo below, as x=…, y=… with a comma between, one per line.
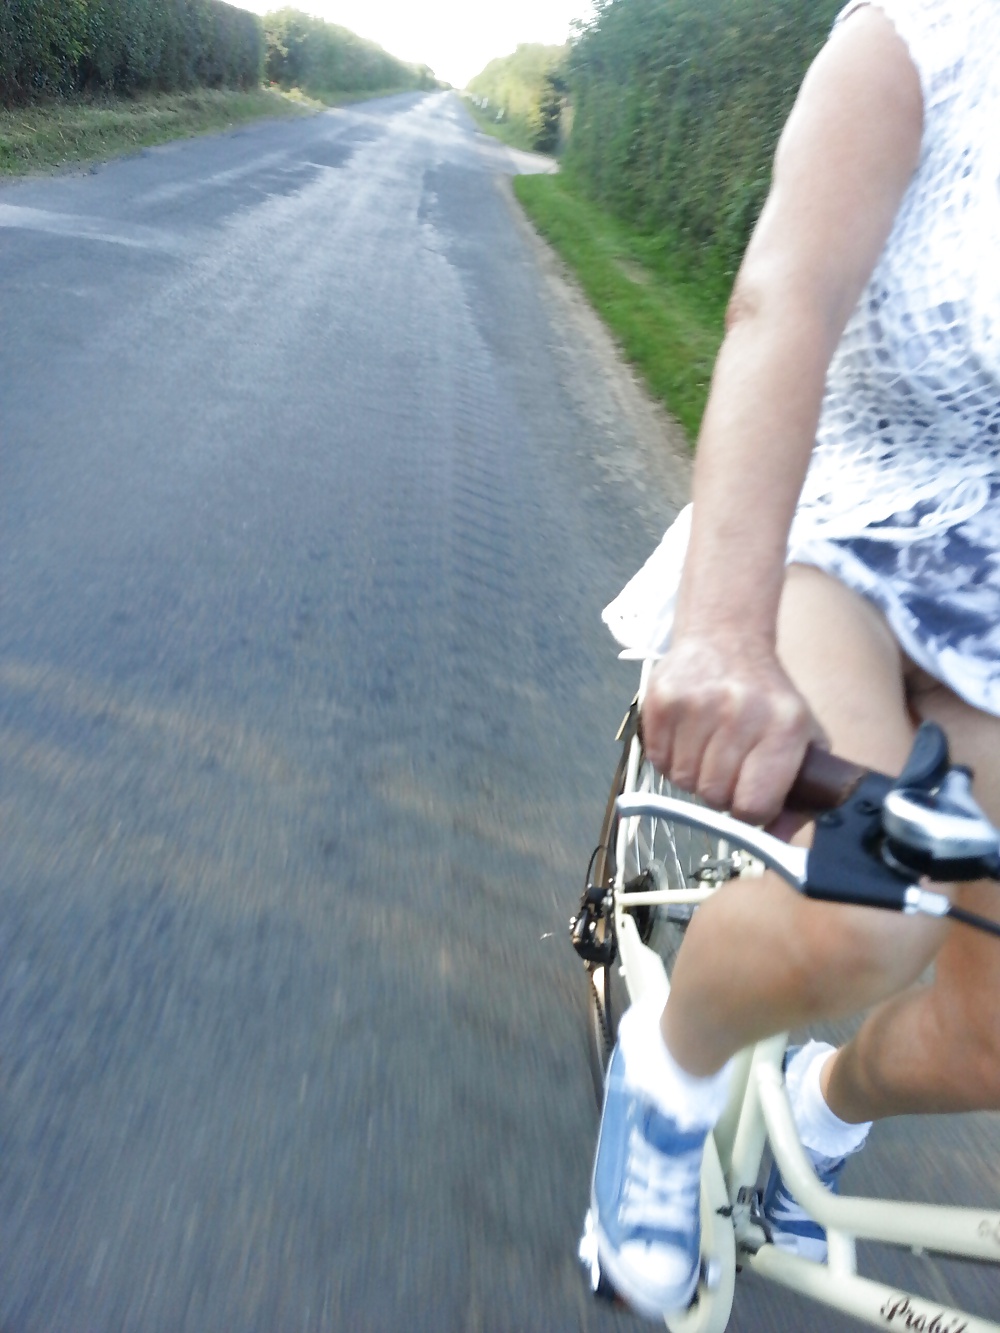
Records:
x=875, y=836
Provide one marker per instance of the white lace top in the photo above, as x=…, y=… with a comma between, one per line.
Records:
x=911, y=413
x=902, y=497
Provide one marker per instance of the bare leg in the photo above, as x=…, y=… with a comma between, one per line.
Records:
x=952, y=1021
x=786, y=961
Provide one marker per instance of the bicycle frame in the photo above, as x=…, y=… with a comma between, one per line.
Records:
x=759, y=1115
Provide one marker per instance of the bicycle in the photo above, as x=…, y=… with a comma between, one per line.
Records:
x=660, y=855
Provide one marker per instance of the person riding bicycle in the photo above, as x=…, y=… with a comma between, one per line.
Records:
x=841, y=583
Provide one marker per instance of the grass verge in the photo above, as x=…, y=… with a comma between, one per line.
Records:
x=666, y=311
x=60, y=133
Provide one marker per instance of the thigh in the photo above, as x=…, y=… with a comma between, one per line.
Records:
x=869, y=698
x=973, y=736
x=842, y=656
x=825, y=961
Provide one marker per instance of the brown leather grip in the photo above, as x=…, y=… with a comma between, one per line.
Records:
x=824, y=781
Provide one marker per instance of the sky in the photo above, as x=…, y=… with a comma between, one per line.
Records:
x=457, y=38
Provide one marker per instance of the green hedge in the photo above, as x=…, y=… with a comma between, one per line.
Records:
x=305, y=52
x=526, y=90
x=677, y=108
x=60, y=46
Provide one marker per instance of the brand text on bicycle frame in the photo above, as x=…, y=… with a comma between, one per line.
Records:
x=900, y=1311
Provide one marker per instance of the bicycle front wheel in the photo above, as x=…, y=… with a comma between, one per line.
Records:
x=655, y=871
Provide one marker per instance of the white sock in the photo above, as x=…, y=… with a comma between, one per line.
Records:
x=819, y=1129
x=695, y=1103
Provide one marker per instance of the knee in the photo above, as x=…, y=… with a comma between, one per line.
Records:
x=985, y=1073
x=846, y=959
x=963, y=1031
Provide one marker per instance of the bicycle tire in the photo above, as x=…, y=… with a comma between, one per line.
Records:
x=605, y=985
x=668, y=856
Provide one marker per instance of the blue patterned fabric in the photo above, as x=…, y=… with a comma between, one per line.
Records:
x=940, y=594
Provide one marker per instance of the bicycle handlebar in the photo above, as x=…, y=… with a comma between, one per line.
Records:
x=824, y=781
x=875, y=837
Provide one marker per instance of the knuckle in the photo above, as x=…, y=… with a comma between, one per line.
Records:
x=715, y=793
x=730, y=704
x=659, y=758
x=754, y=799
x=751, y=811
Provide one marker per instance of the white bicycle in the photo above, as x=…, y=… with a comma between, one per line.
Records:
x=660, y=855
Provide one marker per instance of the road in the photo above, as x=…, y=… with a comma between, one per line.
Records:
x=314, y=482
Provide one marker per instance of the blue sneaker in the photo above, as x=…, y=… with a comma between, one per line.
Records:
x=791, y=1227
x=644, y=1224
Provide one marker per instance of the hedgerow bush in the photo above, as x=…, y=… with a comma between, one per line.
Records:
x=319, y=57
x=525, y=89
x=677, y=108
x=62, y=46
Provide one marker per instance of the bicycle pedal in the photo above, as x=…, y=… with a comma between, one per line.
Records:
x=587, y=1254
x=711, y=1273
x=601, y=1287
x=755, y=1202
x=607, y=1295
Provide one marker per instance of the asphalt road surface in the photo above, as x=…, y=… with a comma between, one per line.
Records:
x=311, y=491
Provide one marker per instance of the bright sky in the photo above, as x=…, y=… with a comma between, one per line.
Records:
x=457, y=38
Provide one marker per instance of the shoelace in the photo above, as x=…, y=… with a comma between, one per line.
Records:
x=660, y=1192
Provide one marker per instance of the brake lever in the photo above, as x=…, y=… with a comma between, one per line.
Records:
x=840, y=854
x=943, y=834
x=872, y=847
x=867, y=851
x=782, y=857
x=845, y=865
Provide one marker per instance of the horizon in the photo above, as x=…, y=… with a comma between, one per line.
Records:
x=453, y=38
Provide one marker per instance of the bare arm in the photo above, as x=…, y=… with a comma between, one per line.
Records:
x=721, y=718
